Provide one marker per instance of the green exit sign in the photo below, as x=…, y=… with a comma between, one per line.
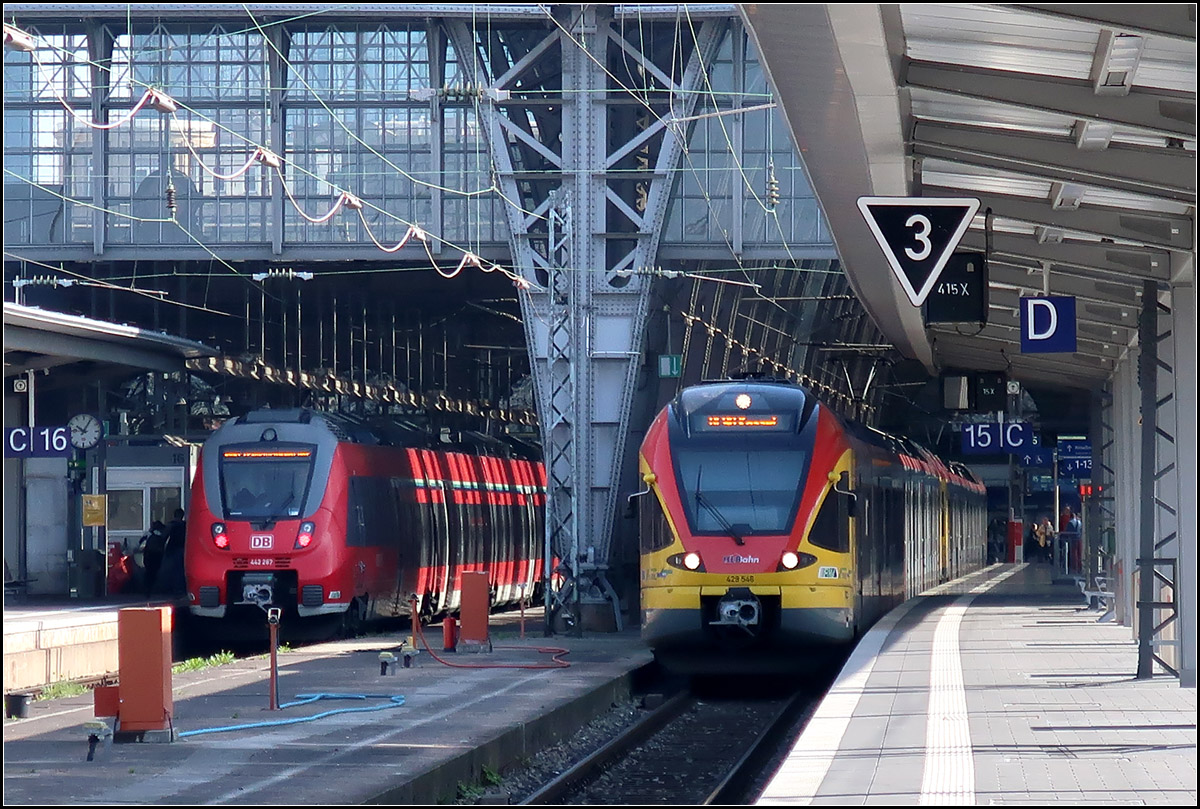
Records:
x=670, y=366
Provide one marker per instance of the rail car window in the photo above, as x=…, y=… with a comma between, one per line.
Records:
x=259, y=484
x=653, y=529
x=373, y=515
x=831, y=529
x=752, y=490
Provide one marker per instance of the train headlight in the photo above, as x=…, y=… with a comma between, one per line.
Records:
x=793, y=559
x=686, y=561
x=304, y=537
x=219, y=537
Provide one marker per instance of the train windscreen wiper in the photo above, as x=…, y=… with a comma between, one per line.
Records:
x=703, y=501
x=282, y=511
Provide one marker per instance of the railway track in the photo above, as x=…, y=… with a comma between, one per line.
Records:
x=690, y=750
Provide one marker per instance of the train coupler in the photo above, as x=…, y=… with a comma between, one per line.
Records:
x=739, y=608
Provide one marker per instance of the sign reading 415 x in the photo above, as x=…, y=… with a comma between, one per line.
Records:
x=918, y=235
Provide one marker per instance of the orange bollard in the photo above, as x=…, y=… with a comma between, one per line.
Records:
x=144, y=659
x=449, y=634
x=476, y=602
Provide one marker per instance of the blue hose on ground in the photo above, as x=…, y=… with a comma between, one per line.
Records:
x=394, y=701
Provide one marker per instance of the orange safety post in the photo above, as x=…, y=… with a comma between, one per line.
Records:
x=1016, y=535
x=144, y=659
x=476, y=601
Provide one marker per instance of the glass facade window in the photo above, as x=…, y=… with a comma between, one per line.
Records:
x=126, y=509
x=356, y=117
x=197, y=66
x=730, y=157
x=48, y=150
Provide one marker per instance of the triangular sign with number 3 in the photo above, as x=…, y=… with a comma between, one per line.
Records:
x=918, y=235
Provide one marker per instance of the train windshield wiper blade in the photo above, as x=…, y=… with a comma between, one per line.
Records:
x=702, y=500
x=273, y=518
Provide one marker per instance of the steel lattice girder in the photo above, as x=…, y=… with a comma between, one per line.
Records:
x=584, y=318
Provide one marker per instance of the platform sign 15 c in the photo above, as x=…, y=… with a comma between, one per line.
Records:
x=994, y=438
x=37, y=442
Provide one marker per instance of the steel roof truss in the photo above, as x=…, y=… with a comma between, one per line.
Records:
x=1004, y=331
x=1167, y=173
x=1171, y=20
x=1064, y=281
x=1121, y=261
x=1155, y=230
x=1157, y=111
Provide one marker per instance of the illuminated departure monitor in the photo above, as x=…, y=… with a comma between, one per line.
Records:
x=743, y=422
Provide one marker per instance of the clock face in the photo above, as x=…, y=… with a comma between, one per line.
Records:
x=85, y=431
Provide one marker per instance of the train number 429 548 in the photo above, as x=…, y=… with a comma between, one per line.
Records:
x=739, y=579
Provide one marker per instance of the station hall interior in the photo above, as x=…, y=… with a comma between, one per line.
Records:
x=543, y=221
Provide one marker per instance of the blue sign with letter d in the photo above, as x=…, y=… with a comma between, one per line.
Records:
x=1048, y=326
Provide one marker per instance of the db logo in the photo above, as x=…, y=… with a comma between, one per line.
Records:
x=261, y=542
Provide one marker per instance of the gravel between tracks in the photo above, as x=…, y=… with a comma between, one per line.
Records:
x=522, y=780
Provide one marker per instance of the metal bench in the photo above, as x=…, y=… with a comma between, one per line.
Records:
x=1100, y=595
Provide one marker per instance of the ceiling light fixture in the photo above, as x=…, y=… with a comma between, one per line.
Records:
x=1116, y=62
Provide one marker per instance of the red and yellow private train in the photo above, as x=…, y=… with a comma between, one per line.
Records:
x=772, y=528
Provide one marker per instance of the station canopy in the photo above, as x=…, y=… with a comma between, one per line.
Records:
x=1074, y=125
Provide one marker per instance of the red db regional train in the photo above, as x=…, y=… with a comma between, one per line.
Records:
x=324, y=515
x=773, y=529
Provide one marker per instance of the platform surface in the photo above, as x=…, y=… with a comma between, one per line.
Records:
x=410, y=736
x=1002, y=688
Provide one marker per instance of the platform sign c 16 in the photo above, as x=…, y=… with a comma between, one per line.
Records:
x=37, y=442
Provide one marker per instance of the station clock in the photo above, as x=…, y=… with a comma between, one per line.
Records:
x=85, y=431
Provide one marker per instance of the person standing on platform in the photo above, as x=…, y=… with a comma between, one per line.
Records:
x=173, y=581
x=1070, y=528
x=153, y=547
x=1044, y=536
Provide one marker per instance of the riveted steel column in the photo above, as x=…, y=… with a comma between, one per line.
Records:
x=1147, y=382
x=1183, y=313
x=585, y=320
x=277, y=67
x=100, y=50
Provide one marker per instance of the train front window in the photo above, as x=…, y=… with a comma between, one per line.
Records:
x=265, y=484
x=751, y=491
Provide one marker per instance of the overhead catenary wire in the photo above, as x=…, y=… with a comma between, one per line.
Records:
x=467, y=253
x=265, y=156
